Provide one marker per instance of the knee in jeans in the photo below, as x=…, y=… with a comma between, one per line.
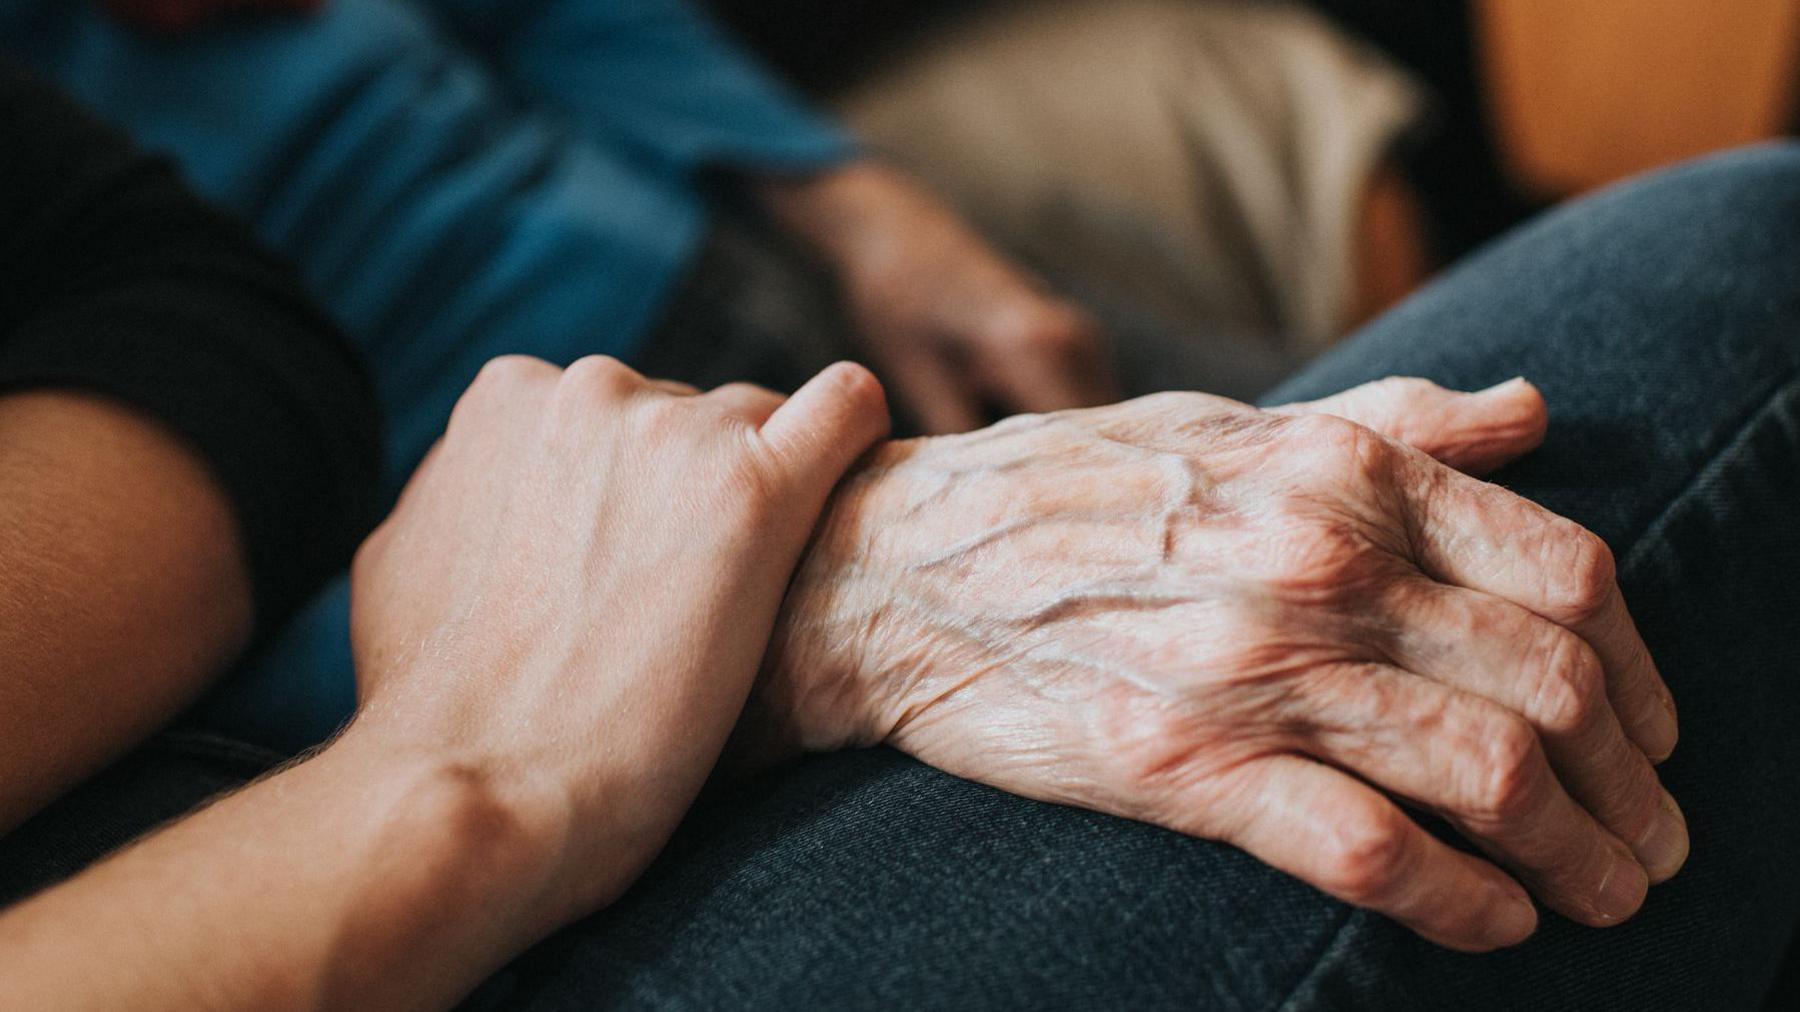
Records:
x=1739, y=207
x=1705, y=252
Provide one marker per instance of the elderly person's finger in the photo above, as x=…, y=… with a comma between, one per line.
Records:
x=1480, y=766
x=1477, y=535
x=1473, y=432
x=1484, y=525
x=1638, y=693
x=1344, y=838
x=1552, y=678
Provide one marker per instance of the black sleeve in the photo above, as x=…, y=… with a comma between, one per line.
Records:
x=115, y=279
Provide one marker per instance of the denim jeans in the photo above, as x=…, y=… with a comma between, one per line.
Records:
x=1662, y=321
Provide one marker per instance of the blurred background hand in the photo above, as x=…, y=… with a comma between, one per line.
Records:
x=961, y=334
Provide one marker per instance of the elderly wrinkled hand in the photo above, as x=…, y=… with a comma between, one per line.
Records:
x=1259, y=627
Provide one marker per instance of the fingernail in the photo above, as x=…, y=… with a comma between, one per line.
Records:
x=1507, y=387
x=1512, y=920
x=1664, y=847
x=1622, y=892
x=1659, y=728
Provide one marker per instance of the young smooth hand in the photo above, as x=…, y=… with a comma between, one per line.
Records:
x=555, y=631
x=570, y=601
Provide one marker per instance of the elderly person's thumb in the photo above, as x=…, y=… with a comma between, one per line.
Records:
x=1473, y=432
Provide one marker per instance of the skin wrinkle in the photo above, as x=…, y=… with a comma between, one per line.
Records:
x=963, y=458
x=948, y=476
x=1131, y=451
x=1036, y=669
x=1131, y=609
x=977, y=629
x=1185, y=505
x=1108, y=670
x=1412, y=522
x=935, y=492
x=1392, y=636
x=969, y=546
x=1083, y=600
x=912, y=712
x=902, y=609
x=1079, y=601
x=1187, y=501
x=951, y=475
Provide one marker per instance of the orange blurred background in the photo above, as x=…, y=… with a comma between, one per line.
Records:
x=1587, y=91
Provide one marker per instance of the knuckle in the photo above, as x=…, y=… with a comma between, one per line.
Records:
x=1365, y=858
x=1580, y=580
x=1154, y=751
x=1322, y=559
x=594, y=383
x=510, y=370
x=1324, y=431
x=743, y=392
x=1571, y=685
x=1337, y=450
x=602, y=374
x=501, y=381
x=1508, y=768
x=1183, y=421
x=1170, y=407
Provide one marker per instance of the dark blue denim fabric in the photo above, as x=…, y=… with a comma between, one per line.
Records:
x=1662, y=321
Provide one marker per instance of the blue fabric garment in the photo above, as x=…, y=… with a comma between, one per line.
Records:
x=457, y=179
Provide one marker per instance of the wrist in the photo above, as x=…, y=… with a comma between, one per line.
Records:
x=848, y=632
x=477, y=833
x=837, y=212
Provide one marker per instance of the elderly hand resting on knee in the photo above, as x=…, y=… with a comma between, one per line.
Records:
x=1265, y=627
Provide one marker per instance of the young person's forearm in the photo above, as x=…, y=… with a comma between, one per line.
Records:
x=122, y=587
x=364, y=877
x=511, y=767
x=187, y=446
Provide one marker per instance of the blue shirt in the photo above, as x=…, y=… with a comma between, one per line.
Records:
x=457, y=179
